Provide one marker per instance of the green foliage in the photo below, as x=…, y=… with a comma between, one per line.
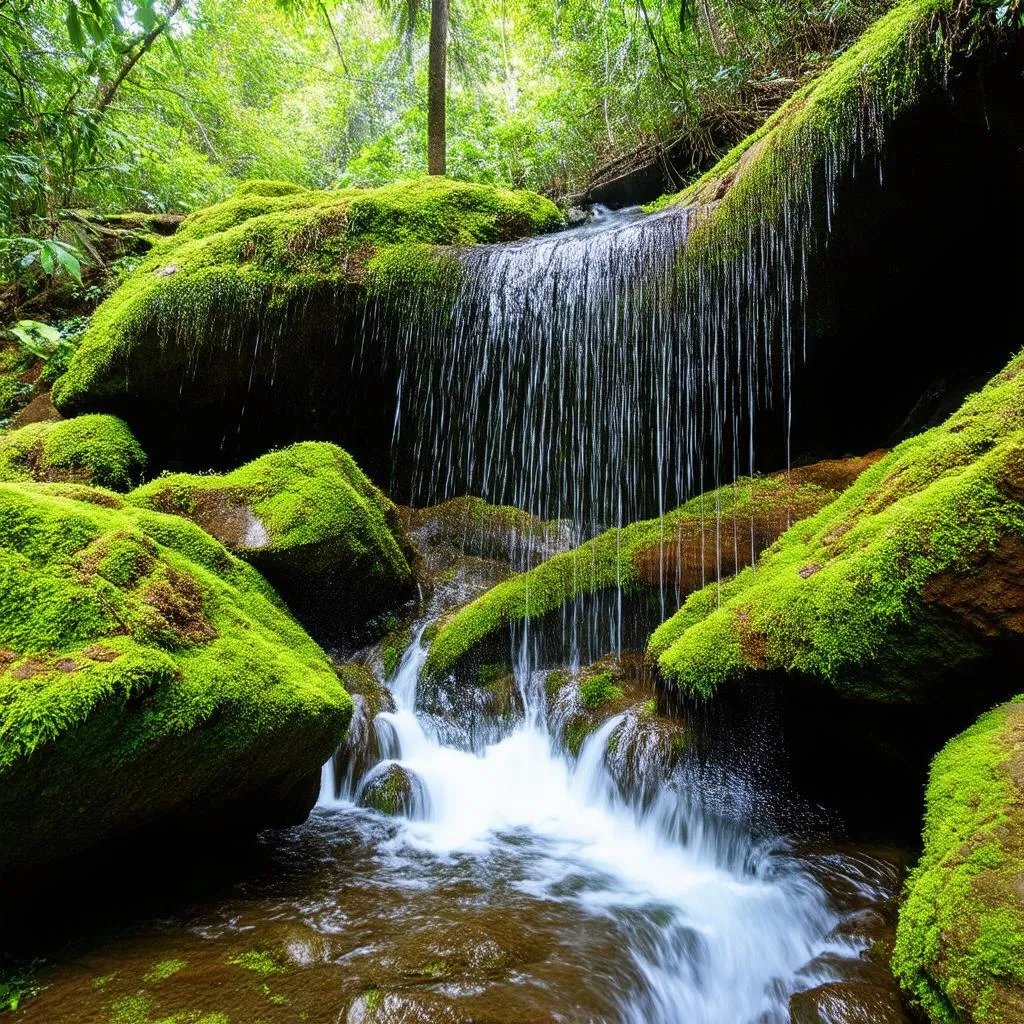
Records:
x=143, y=669
x=37, y=339
x=840, y=597
x=17, y=984
x=96, y=448
x=960, y=942
x=157, y=105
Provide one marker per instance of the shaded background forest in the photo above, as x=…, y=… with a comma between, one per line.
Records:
x=165, y=105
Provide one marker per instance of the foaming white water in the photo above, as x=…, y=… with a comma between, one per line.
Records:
x=718, y=928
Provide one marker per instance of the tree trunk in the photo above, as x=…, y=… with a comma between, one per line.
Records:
x=436, y=87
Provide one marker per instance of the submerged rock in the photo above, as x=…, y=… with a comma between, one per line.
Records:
x=310, y=521
x=960, y=942
x=891, y=592
x=147, y=678
x=92, y=449
x=394, y=790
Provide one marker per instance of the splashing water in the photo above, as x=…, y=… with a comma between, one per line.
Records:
x=717, y=929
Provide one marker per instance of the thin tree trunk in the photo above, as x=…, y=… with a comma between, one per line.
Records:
x=436, y=87
x=109, y=91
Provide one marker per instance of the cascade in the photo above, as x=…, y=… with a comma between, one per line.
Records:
x=718, y=924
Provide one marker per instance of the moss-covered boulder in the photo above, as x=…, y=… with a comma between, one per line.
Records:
x=245, y=324
x=93, y=449
x=309, y=519
x=709, y=537
x=393, y=790
x=911, y=577
x=960, y=942
x=763, y=181
x=147, y=678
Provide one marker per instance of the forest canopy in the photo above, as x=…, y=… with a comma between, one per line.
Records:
x=164, y=105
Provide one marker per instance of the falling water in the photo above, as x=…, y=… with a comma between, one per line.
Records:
x=717, y=923
x=580, y=377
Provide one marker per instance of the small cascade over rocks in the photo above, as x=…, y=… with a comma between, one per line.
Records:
x=717, y=923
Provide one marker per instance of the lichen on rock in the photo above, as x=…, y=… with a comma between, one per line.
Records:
x=887, y=591
x=93, y=449
x=147, y=677
x=960, y=943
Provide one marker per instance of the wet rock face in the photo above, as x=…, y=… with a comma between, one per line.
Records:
x=699, y=549
x=395, y=791
x=848, y=1003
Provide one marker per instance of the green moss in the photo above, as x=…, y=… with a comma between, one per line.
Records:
x=98, y=449
x=138, y=1009
x=269, y=245
x=144, y=671
x=615, y=558
x=847, y=595
x=960, y=942
x=164, y=969
x=306, y=495
x=753, y=185
x=309, y=519
x=259, y=961
x=598, y=689
x=389, y=792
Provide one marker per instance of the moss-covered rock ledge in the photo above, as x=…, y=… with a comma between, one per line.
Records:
x=309, y=519
x=269, y=246
x=960, y=943
x=147, y=677
x=709, y=537
x=93, y=449
x=914, y=574
x=764, y=180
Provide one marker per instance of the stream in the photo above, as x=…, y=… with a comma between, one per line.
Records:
x=524, y=882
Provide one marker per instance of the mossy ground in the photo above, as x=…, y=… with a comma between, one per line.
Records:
x=144, y=672
x=883, y=589
x=960, y=943
x=94, y=449
x=684, y=548
x=270, y=243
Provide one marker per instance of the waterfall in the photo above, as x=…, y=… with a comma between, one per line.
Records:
x=580, y=376
x=719, y=926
